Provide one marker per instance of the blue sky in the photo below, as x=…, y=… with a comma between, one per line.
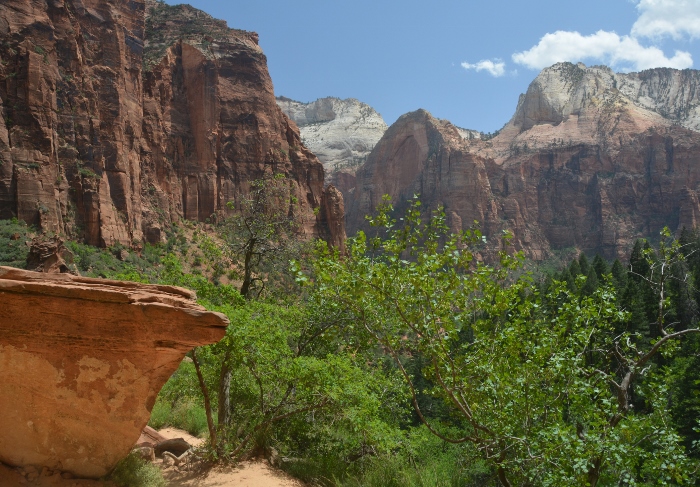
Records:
x=463, y=60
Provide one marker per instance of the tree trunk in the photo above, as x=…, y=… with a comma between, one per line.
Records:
x=594, y=472
x=207, y=402
x=502, y=477
x=225, y=393
x=247, y=269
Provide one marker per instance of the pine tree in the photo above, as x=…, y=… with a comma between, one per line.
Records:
x=575, y=269
x=600, y=266
x=583, y=263
x=591, y=282
x=619, y=274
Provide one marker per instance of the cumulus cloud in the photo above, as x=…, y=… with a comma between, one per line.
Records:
x=668, y=18
x=496, y=68
x=622, y=52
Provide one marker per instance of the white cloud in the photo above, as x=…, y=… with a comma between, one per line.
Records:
x=496, y=68
x=622, y=52
x=668, y=18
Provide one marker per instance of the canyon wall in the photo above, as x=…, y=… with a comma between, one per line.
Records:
x=121, y=117
x=341, y=133
x=591, y=159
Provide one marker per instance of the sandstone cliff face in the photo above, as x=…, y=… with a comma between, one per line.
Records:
x=341, y=133
x=591, y=159
x=421, y=155
x=70, y=86
x=119, y=117
x=81, y=363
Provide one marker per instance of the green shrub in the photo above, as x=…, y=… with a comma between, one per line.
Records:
x=160, y=415
x=189, y=416
x=13, y=253
x=133, y=471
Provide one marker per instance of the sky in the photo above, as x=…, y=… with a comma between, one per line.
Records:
x=466, y=61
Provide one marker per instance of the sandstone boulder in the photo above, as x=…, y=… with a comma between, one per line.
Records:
x=81, y=363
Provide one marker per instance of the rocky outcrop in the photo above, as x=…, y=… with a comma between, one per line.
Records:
x=333, y=217
x=591, y=159
x=341, y=133
x=50, y=256
x=81, y=363
x=120, y=117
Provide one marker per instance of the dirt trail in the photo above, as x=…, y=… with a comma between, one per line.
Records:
x=247, y=474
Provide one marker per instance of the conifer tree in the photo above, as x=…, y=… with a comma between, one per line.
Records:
x=619, y=274
x=600, y=266
x=583, y=264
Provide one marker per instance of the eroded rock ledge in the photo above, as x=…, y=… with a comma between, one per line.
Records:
x=81, y=363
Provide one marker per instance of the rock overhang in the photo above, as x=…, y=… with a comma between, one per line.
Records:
x=82, y=361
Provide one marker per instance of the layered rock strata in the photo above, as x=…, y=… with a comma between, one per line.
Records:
x=591, y=159
x=341, y=133
x=119, y=117
x=81, y=363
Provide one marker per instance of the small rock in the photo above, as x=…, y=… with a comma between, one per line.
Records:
x=32, y=476
x=15, y=236
x=176, y=446
x=123, y=255
x=145, y=452
x=169, y=459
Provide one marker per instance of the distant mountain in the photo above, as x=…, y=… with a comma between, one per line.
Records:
x=591, y=159
x=341, y=133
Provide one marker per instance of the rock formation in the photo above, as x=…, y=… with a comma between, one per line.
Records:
x=81, y=363
x=341, y=133
x=119, y=117
x=591, y=159
x=49, y=255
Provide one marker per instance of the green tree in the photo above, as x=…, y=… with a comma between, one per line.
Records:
x=541, y=385
x=600, y=266
x=619, y=275
x=583, y=264
x=262, y=234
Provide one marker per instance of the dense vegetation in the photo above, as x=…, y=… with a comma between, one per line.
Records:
x=410, y=362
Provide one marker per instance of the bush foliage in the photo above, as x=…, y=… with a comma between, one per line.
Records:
x=410, y=361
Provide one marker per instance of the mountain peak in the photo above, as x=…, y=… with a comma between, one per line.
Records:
x=567, y=89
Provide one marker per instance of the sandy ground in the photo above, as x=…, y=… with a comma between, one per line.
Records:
x=176, y=433
x=10, y=477
x=247, y=474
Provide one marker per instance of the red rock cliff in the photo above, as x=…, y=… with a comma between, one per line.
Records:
x=120, y=117
x=591, y=159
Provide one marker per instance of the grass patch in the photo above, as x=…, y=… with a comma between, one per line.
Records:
x=14, y=236
x=438, y=469
x=160, y=415
x=134, y=471
x=186, y=415
x=189, y=416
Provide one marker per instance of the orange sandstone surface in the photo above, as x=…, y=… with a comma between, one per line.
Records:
x=81, y=363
